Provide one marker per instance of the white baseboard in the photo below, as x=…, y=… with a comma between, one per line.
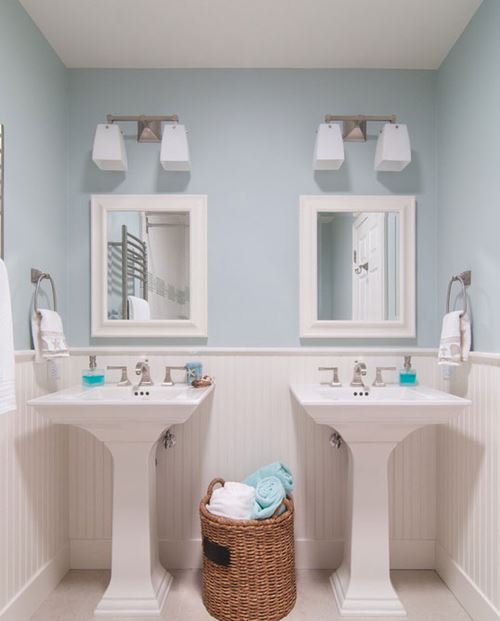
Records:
x=310, y=554
x=472, y=599
x=24, y=604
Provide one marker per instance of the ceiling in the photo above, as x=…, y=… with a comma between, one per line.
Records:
x=405, y=34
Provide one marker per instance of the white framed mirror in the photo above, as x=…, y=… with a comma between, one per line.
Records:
x=2, y=215
x=149, y=265
x=357, y=266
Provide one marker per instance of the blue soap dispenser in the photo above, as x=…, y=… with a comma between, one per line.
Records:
x=93, y=376
x=407, y=375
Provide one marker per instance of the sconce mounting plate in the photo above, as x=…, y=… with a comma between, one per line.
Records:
x=149, y=131
x=354, y=131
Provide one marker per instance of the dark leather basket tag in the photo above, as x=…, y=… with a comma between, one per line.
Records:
x=216, y=553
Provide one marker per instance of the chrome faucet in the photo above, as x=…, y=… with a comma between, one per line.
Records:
x=168, y=381
x=358, y=374
x=142, y=369
x=124, y=380
x=335, y=383
x=379, y=380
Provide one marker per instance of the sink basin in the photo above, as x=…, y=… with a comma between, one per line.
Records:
x=372, y=421
x=412, y=406
x=112, y=412
x=130, y=422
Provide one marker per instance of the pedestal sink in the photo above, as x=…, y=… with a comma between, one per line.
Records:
x=130, y=422
x=372, y=422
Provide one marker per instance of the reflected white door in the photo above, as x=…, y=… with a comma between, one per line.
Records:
x=368, y=288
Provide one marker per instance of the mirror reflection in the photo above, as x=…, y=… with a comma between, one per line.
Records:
x=358, y=266
x=147, y=265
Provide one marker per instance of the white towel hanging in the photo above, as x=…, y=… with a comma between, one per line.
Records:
x=7, y=361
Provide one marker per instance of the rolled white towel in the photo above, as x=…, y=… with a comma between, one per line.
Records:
x=455, y=343
x=235, y=501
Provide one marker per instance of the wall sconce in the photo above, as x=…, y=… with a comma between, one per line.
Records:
x=329, y=148
x=174, y=155
x=109, y=147
x=393, y=151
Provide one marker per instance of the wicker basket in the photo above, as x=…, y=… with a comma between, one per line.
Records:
x=248, y=565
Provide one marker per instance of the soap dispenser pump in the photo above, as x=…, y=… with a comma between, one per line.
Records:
x=93, y=376
x=407, y=375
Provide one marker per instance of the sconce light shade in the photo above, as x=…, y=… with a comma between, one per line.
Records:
x=109, y=148
x=329, y=147
x=393, y=152
x=174, y=148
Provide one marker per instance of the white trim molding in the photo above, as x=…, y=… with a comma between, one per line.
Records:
x=196, y=207
x=463, y=588
x=111, y=350
x=310, y=325
x=25, y=603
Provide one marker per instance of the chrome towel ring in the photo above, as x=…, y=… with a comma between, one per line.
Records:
x=464, y=279
x=36, y=278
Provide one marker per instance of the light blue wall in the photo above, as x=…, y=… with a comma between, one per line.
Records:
x=33, y=108
x=251, y=138
x=468, y=97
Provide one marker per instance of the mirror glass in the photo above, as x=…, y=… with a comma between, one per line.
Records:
x=358, y=266
x=148, y=265
x=2, y=222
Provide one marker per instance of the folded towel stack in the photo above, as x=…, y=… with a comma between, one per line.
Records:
x=7, y=365
x=48, y=335
x=455, y=342
x=235, y=501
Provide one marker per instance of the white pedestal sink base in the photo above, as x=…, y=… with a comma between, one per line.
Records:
x=351, y=607
x=139, y=584
x=372, y=425
x=362, y=584
x=130, y=426
x=110, y=607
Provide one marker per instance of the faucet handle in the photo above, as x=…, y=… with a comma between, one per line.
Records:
x=168, y=381
x=335, y=383
x=379, y=380
x=361, y=366
x=124, y=380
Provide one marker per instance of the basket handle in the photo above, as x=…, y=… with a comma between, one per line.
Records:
x=211, y=486
x=285, y=502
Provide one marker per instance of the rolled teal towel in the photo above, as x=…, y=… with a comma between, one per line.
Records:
x=276, y=469
x=269, y=494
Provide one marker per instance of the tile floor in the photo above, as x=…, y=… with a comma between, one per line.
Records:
x=423, y=593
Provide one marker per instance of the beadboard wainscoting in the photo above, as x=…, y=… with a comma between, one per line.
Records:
x=33, y=496
x=468, y=528
x=56, y=483
x=251, y=420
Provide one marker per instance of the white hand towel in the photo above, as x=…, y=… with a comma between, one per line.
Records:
x=455, y=342
x=48, y=335
x=138, y=309
x=7, y=364
x=235, y=501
